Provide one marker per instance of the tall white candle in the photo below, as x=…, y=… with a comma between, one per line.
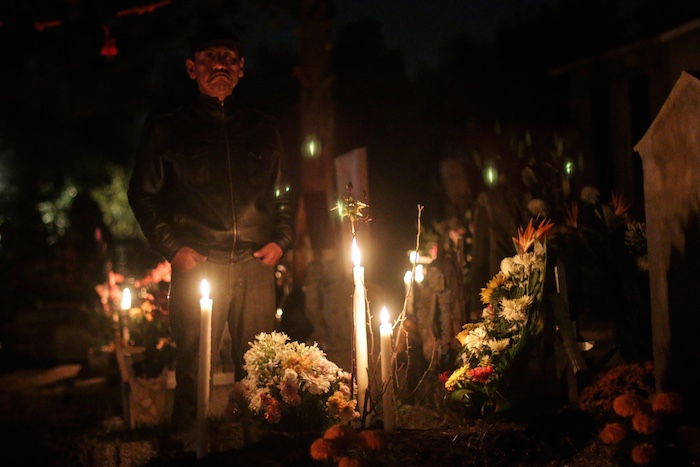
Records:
x=360, y=319
x=204, y=373
x=385, y=333
x=126, y=306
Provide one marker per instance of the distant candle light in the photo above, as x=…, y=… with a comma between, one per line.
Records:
x=126, y=299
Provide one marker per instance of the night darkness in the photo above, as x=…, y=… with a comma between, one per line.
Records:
x=67, y=112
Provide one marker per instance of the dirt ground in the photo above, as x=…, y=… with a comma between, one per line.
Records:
x=49, y=413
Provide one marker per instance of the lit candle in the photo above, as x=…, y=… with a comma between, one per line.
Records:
x=278, y=318
x=126, y=306
x=385, y=333
x=204, y=373
x=360, y=318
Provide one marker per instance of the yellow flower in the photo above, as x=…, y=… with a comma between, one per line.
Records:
x=496, y=281
x=462, y=336
x=458, y=375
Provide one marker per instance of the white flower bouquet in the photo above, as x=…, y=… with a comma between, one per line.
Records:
x=510, y=319
x=294, y=386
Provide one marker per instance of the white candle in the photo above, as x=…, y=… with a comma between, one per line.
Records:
x=126, y=306
x=204, y=373
x=385, y=333
x=360, y=319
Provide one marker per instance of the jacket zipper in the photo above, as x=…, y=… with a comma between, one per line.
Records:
x=234, y=225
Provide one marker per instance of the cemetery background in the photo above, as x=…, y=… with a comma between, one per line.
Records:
x=49, y=319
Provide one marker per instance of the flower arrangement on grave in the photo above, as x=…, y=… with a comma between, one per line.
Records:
x=148, y=323
x=292, y=386
x=510, y=321
x=146, y=320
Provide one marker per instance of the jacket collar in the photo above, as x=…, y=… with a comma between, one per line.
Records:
x=214, y=106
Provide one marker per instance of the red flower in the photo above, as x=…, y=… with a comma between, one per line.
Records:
x=444, y=377
x=481, y=374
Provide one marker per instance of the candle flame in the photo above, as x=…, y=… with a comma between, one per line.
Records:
x=384, y=315
x=126, y=299
x=420, y=275
x=355, y=253
x=408, y=277
x=205, y=289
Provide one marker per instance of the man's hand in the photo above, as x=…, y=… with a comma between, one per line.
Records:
x=269, y=254
x=186, y=259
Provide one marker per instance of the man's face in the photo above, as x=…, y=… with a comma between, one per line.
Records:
x=217, y=71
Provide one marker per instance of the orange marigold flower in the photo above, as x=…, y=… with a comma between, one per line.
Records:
x=321, y=449
x=350, y=462
x=613, y=433
x=628, y=404
x=644, y=454
x=667, y=403
x=372, y=440
x=338, y=432
x=646, y=422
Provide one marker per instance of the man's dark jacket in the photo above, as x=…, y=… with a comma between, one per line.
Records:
x=209, y=176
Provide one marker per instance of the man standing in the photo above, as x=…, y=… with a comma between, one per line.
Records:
x=209, y=194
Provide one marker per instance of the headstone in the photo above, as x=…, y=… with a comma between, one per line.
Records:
x=670, y=152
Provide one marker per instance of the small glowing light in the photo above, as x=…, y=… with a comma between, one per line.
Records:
x=419, y=273
x=408, y=277
x=312, y=147
x=490, y=175
x=413, y=256
x=569, y=167
x=355, y=253
x=126, y=299
x=278, y=314
x=384, y=315
x=205, y=289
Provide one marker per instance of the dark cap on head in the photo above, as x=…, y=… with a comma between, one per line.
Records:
x=215, y=35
